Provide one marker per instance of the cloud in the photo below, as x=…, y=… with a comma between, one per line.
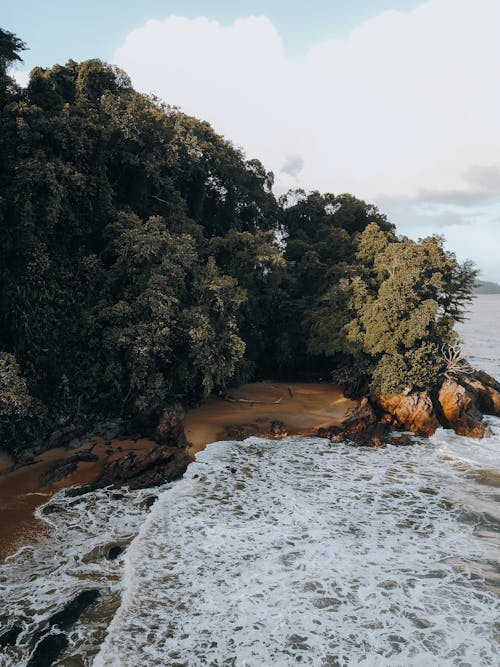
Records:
x=21, y=77
x=293, y=165
x=403, y=112
x=406, y=104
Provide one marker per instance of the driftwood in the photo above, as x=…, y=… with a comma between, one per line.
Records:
x=246, y=400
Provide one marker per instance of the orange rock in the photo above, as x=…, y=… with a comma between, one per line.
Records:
x=460, y=410
x=413, y=412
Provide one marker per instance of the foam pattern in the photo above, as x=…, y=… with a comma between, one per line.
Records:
x=41, y=578
x=304, y=552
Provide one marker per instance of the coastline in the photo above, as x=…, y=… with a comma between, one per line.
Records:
x=252, y=409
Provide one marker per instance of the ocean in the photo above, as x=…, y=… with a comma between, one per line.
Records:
x=280, y=553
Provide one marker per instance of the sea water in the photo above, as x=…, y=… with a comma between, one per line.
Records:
x=286, y=552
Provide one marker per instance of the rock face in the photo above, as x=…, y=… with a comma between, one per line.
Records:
x=485, y=390
x=359, y=426
x=460, y=411
x=170, y=429
x=141, y=470
x=412, y=412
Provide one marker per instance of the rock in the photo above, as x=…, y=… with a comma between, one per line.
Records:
x=52, y=509
x=277, y=430
x=9, y=637
x=485, y=389
x=65, y=467
x=114, y=552
x=170, y=429
x=72, y=611
x=140, y=470
x=412, y=412
x=459, y=410
x=48, y=650
x=49, y=642
x=359, y=426
x=240, y=431
x=63, y=436
x=149, y=501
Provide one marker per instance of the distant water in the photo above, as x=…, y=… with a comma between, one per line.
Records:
x=285, y=553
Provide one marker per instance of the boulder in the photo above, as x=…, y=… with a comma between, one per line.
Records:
x=460, y=411
x=485, y=390
x=359, y=426
x=140, y=470
x=412, y=412
x=52, y=641
x=170, y=429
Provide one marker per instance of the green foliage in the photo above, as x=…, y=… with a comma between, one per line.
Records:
x=399, y=309
x=145, y=259
x=14, y=396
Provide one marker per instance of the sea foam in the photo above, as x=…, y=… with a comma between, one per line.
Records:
x=304, y=552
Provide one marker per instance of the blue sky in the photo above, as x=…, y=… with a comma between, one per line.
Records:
x=392, y=100
x=56, y=30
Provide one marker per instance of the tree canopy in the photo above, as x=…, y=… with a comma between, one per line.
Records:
x=145, y=259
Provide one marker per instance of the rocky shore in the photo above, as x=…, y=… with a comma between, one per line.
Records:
x=266, y=409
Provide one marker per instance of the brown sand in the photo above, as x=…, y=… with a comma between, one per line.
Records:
x=302, y=407
x=22, y=491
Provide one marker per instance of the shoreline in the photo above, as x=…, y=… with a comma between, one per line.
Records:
x=299, y=408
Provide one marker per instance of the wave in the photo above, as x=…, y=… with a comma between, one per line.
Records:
x=263, y=555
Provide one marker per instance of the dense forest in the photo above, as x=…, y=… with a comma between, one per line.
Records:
x=144, y=259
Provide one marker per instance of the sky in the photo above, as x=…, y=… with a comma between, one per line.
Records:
x=397, y=102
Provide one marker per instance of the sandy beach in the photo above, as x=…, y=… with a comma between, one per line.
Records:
x=302, y=408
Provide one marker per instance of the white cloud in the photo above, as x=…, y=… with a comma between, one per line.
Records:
x=409, y=102
x=406, y=107
x=21, y=77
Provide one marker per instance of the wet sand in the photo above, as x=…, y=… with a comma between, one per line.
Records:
x=302, y=407
x=252, y=408
x=22, y=489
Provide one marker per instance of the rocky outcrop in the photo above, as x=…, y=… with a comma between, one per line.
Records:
x=141, y=469
x=484, y=389
x=460, y=410
x=67, y=466
x=360, y=426
x=273, y=429
x=50, y=645
x=413, y=412
x=170, y=429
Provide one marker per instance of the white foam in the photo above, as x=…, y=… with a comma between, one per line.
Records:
x=299, y=551
x=41, y=578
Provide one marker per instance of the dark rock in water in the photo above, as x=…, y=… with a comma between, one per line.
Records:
x=64, y=468
x=114, y=552
x=359, y=426
x=140, y=470
x=65, y=618
x=150, y=501
x=170, y=429
x=48, y=650
x=460, y=412
x=52, y=509
x=412, y=412
x=9, y=637
x=50, y=644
